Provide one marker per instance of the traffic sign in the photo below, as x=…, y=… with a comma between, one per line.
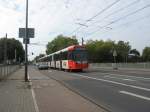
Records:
x=24, y=40
x=30, y=32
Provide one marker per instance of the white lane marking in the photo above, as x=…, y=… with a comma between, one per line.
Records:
x=128, y=80
x=118, y=78
x=132, y=86
x=127, y=76
x=135, y=95
x=111, y=77
x=33, y=96
x=132, y=72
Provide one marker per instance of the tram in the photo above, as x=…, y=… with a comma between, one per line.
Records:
x=71, y=58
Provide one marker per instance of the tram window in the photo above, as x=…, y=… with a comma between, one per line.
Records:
x=50, y=58
x=60, y=56
x=80, y=55
x=64, y=55
x=70, y=56
x=54, y=57
x=57, y=57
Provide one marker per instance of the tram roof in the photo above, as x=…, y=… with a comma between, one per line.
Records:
x=69, y=48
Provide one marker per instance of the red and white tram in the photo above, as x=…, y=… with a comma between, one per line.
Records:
x=71, y=58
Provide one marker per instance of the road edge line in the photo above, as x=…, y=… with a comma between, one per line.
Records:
x=33, y=96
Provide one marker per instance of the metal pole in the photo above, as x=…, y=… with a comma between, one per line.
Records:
x=5, y=56
x=26, y=46
x=15, y=56
x=82, y=41
x=114, y=59
x=5, y=51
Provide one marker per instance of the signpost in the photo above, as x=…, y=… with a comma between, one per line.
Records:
x=115, y=63
x=26, y=33
x=22, y=32
x=28, y=41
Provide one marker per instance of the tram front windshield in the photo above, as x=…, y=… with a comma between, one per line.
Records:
x=79, y=55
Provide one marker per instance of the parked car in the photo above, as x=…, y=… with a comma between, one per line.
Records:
x=42, y=66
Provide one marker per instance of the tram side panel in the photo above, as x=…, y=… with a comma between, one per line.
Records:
x=65, y=64
x=52, y=64
x=58, y=64
x=49, y=64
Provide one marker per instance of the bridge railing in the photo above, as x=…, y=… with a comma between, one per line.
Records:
x=6, y=70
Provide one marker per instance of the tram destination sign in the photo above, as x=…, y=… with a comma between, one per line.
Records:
x=80, y=48
x=30, y=32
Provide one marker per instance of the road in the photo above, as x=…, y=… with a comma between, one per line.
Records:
x=115, y=90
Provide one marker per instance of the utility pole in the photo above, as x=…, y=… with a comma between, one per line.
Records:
x=26, y=46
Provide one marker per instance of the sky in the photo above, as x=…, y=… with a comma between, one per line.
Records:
x=127, y=20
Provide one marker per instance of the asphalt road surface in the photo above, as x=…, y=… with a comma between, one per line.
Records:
x=115, y=90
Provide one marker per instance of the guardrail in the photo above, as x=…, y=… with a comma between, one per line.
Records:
x=123, y=65
x=6, y=70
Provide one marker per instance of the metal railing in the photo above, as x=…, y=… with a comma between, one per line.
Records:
x=145, y=65
x=6, y=70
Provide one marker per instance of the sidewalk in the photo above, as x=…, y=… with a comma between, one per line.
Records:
x=15, y=96
x=45, y=95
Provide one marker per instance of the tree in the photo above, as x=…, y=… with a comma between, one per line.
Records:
x=59, y=43
x=100, y=51
x=134, y=55
x=39, y=56
x=105, y=52
x=135, y=52
x=14, y=48
x=92, y=47
x=146, y=54
x=122, y=49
